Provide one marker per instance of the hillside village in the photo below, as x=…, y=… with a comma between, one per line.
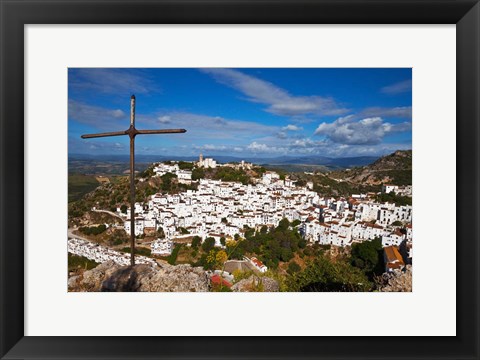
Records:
x=226, y=211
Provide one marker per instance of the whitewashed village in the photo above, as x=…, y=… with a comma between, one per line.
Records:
x=305, y=186
x=224, y=210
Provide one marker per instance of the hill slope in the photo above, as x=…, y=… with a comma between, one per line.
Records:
x=395, y=168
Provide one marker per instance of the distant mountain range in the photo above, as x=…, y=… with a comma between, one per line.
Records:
x=345, y=162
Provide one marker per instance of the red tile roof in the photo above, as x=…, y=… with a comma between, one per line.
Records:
x=217, y=280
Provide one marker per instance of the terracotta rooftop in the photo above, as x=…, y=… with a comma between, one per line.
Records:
x=393, y=256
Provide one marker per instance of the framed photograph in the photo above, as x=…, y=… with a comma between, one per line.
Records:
x=239, y=179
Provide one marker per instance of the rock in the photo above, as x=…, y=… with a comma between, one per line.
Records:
x=91, y=280
x=127, y=278
x=180, y=278
x=72, y=281
x=110, y=277
x=255, y=283
x=396, y=281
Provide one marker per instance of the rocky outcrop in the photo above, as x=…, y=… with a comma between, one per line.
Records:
x=255, y=283
x=111, y=277
x=396, y=281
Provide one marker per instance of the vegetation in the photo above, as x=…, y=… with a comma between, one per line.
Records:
x=148, y=172
x=173, y=256
x=215, y=259
x=183, y=230
x=395, y=168
x=324, y=274
x=76, y=262
x=208, y=244
x=240, y=275
x=231, y=174
x=398, y=176
x=138, y=251
x=328, y=186
x=293, y=267
x=168, y=182
x=160, y=233
x=393, y=198
x=368, y=257
x=184, y=165
x=118, y=237
x=79, y=185
x=196, y=241
x=271, y=247
x=93, y=230
x=198, y=173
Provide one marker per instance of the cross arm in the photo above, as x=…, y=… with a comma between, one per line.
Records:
x=162, y=131
x=114, y=133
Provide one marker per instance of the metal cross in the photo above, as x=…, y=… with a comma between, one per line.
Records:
x=132, y=132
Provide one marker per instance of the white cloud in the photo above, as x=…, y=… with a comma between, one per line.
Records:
x=164, y=119
x=303, y=143
x=404, y=112
x=264, y=148
x=398, y=88
x=279, y=101
x=209, y=127
x=210, y=147
x=291, y=127
x=122, y=82
x=368, y=131
x=77, y=145
x=99, y=117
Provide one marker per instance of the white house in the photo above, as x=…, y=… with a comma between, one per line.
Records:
x=139, y=226
x=258, y=264
x=387, y=188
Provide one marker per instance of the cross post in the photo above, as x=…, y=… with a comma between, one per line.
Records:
x=132, y=132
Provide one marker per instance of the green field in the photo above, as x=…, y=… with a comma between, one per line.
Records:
x=79, y=185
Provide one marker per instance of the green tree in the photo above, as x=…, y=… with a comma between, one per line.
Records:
x=160, y=233
x=293, y=267
x=183, y=230
x=308, y=251
x=324, y=275
x=183, y=165
x=168, y=182
x=368, y=256
x=118, y=237
x=147, y=173
x=283, y=224
x=208, y=244
x=295, y=223
x=173, y=256
x=198, y=173
x=196, y=240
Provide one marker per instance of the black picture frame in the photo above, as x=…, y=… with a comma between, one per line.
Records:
x=16, y=13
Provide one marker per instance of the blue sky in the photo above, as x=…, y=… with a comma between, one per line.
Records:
x=243, y=112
